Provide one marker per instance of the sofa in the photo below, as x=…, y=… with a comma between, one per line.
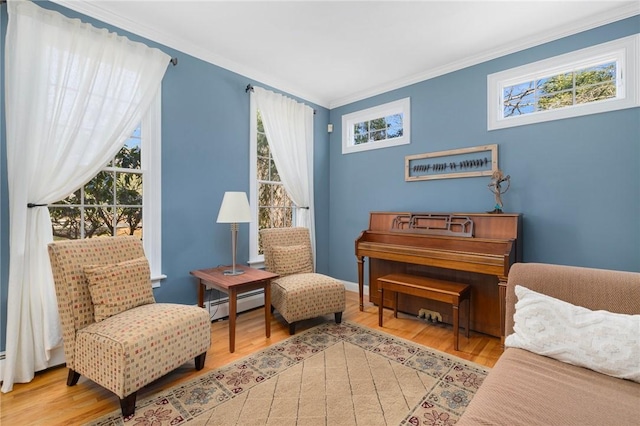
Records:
x=527, y=388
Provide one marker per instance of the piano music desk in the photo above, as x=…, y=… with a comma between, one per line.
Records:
x=440, y=290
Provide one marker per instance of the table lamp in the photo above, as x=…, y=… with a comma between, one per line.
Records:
x=234, y=209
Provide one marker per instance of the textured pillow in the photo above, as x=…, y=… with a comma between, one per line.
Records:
x=599, y=340
x=288, y=260
x=119, y=287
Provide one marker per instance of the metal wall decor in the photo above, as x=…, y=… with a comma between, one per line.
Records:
x=454, y=163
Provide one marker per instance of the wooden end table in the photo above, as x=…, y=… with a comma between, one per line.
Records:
x=251, y=279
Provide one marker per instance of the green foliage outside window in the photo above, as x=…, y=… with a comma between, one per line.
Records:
x=109, y=204
x=582, y=86
x=275, y=208
x=378, y=129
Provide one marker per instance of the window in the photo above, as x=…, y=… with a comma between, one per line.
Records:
x=588, y=81
x=110, y=204
x=269, y=200
x=378, y=127
x=123, y=198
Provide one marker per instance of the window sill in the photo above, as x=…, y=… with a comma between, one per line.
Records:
x=258, y=263
x=155, y=280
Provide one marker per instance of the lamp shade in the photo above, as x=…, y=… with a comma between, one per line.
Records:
x=235, y=208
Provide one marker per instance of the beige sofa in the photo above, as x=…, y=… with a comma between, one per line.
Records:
x=528, y=389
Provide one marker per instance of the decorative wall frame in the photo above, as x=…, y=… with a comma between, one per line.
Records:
x=454, y=163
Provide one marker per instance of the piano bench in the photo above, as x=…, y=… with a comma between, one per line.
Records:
x=428, y=288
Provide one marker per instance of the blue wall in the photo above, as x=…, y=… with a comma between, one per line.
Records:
x=205, y=152
x=576, y=181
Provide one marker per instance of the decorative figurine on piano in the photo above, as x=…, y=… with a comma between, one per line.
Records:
x=495, y=186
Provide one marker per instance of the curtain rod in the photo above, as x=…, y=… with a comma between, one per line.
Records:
x=249, y=88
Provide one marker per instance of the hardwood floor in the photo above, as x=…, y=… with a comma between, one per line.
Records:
x=47, y=400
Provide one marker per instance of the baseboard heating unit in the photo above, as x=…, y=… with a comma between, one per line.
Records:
x=219, y=308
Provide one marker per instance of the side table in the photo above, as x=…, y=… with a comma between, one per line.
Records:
x=252, y=279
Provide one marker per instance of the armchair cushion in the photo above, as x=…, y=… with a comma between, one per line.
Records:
x=302, y=296
x=288, y=260
x=118, y=287
x=126, y=351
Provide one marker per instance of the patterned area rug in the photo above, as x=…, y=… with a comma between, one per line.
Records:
x=329, y=375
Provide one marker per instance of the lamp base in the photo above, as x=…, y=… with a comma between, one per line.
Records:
x=231, y=272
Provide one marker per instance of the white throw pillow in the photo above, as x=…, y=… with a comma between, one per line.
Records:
x=602, y=341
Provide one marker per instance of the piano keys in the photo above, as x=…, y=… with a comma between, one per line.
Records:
x=471, y=248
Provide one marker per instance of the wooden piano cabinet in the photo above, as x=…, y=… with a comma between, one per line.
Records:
x=481, y=260
x=485, y=302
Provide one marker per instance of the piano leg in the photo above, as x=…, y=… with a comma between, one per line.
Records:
x=380, y=306
x=361, y=281
x=456, y=323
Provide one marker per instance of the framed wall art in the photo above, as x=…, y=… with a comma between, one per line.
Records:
x=455, y=163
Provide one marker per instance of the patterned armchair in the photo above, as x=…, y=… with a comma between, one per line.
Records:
x=299, y=293
x=114, y=333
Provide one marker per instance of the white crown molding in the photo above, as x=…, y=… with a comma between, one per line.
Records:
x=602, y=19
x=93, y=9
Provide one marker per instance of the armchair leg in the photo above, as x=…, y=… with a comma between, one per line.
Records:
x=338, y=316
x=200, y=361
x=292, y=328
x=128, y=405
x=72, y=378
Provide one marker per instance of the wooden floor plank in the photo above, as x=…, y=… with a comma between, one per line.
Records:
x=47, y=400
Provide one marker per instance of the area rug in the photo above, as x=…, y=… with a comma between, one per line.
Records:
x=332, y=374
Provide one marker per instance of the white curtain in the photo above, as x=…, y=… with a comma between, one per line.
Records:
x=74, y=93
x=288, y=125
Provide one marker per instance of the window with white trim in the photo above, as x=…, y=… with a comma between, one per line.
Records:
x=381, y=126
x=270, y=204
x=588, y=81
x=123, y=198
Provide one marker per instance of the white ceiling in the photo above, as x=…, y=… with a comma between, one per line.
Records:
x=335, y=52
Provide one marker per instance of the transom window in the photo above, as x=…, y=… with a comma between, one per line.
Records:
x=588, y=81
x=378, y=127
x=591, y=84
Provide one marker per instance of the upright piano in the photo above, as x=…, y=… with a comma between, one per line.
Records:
x=471, y=248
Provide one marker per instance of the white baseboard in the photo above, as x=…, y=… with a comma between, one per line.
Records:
x=57, y=358
x=350, y=286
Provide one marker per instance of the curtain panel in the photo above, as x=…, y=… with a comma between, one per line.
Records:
x=288, y=125
x=73, y=94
